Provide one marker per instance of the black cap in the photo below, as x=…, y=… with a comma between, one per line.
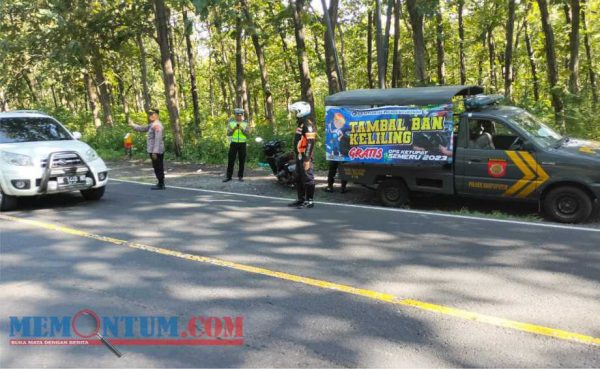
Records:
x=152, y=110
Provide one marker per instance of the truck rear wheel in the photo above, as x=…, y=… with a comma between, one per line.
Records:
x=393, y=193
x=93, y=194
x=568, y=204
x=7, y=202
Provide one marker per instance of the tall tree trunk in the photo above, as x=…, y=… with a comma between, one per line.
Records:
x=144, y=72
x=168, y=74
x=30, y=87
x=192, y=70
x=461, y=43
x=102, y=85
x=480, y=64
x=255, y=101
x=370, y=49
x=284, y=46
x=416, y=21
x=551, y=64
x=491, y=46
x=378, y=44
x=249, y=91
x=330, y=69
x=92, y=99
x=86, y=103
x=224, y=77
x=230, y=82
x=70, y=100
x=386, y=39
x=531, y=57
x=510, y=26
x=287, y=67
x=342, y=52
x=54, y=97
x=133, y=87
x=515, y=67
x=439, y=41
x=305, y=83
x=396, y=57
x=123, y=96
x=588, y=55
x=264, y=77
x=223, y=86
x=567, y=12
x=241, y=97
x=176, y=60
x=170, y=38
x=318, y=52
x=211, y=84
x=574, y=48
x=3, y=101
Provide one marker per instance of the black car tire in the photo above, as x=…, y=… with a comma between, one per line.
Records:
x=393, y=193
x=7, y=202
x=93, y=194
x=568, y=204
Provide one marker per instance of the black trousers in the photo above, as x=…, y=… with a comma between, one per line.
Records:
x=333, y=167
x=305, y=181
x=239, y=150
x=159, y=167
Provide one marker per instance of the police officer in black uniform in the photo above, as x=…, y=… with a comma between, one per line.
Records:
x=333, y=168
x=304, y=144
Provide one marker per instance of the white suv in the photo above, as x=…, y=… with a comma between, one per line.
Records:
x=38, y=156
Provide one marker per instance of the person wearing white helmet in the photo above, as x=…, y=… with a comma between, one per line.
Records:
x=304, y=144
x=237, y=132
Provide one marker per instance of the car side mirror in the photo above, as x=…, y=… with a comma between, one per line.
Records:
x=77, y=135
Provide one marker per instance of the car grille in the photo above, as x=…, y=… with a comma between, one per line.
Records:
x=64, y=161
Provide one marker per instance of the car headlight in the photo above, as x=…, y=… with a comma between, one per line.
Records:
x=16, y=159
x=91, y=155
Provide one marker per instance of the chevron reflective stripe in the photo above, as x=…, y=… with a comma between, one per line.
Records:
x=533, y=174
x=542, y=176
x=528, y=174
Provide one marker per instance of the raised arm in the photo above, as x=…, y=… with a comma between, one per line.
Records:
x=137, y=127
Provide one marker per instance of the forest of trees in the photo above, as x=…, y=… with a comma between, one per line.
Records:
x=96, y=64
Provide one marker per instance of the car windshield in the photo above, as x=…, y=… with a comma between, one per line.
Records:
x=536, y=130
x=31, y=129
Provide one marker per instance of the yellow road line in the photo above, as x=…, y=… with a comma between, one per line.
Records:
x=374, y=295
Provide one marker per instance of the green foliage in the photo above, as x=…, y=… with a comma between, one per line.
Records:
x=47, y=46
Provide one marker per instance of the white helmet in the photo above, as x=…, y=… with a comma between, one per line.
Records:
x=300, y=108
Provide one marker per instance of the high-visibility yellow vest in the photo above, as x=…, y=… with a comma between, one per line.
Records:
x=238, y=135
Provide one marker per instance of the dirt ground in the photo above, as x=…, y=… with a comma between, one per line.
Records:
x=260, y=181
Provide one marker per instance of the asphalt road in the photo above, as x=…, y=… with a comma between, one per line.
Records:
x=514, y=284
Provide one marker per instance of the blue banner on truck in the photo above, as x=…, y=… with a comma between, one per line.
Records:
x=389, y=135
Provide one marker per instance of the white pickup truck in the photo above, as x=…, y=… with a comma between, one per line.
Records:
x=39, y=156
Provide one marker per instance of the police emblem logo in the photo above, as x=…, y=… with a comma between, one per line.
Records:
x=497, y=168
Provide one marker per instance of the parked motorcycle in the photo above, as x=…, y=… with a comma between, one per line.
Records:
x=282, y=164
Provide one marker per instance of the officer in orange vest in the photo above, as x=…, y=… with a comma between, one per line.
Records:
x=304, y=144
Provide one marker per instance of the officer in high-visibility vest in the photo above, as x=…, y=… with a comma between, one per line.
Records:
x=237, y=132
x=304, y=144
